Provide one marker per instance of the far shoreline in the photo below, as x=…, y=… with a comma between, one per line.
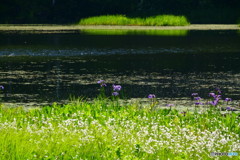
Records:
x=62, y=28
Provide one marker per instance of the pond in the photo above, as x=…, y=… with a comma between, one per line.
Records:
x=48, y=67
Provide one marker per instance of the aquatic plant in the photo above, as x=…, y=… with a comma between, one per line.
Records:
x=170, y=105
x=102, y=89
x=228, y=99
x=1, y=88
x=102, y=83
x=116, y=87
x=115, y=93
x=194, y=94
x=153, y=101
x=151, y=96
x=160, y=20
x=216, y=97
x=215, y=101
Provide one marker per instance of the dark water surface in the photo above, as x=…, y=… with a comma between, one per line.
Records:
x=50, y=67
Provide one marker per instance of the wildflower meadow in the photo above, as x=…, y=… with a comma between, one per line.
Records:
x=105, y=128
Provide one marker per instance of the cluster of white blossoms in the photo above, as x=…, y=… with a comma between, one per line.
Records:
x=141, y=134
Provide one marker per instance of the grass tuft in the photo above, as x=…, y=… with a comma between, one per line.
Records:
x=160, y=20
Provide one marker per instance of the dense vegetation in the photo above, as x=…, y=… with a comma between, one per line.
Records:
x=107, y=130
x=104, y=129
x=71, y=11
x=163, y=20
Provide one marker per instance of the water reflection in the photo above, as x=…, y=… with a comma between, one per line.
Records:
x=134, y=32
x=78, y=44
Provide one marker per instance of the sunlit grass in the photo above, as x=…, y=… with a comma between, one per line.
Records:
x=161, y=20
x=104, y=129
x=135, y=32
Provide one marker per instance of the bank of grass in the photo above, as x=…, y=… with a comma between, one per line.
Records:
x=104, y=129
x=160, y=20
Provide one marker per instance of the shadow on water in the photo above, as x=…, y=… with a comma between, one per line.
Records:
x=50, y=67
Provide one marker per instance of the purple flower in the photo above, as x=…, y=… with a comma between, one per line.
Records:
x=184, y=113
x=151, y=96
x=115, y=93
x=197, y=98
x=116, y=87
x=229, y=108
x=1, y=87
x=214, y=103
x=198, y=103
x=170, y=105
x=194, y=94
x=218, y=90
x=212, y=94
x=102, y=83
x=217, y=97
x=228, y=99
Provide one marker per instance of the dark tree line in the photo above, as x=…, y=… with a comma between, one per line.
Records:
x=71, y=11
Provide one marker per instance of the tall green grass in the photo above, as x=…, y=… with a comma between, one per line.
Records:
x=161, y=20
x=105, y=129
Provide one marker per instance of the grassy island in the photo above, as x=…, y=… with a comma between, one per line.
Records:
x=160, y=20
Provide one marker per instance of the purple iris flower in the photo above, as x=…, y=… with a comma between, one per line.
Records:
x=198, y=103
x=115, y=93
x=217, y=97
x=116, y=87
x=218, y=90
x=229, y=108
x=2, y=87
x=170, y=105
x=197, y=98
x=212, y=94
x=151, y=96
x=194, y=94
x=214, y=103
x=228, y=99
x=102, y=83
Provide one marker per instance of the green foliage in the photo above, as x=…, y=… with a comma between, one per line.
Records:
x=161, y=20
x=166, y=20
x=106, y=20
x=103, y=129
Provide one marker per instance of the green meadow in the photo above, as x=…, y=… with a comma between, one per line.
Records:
x=160, y=20
x=108, y=129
